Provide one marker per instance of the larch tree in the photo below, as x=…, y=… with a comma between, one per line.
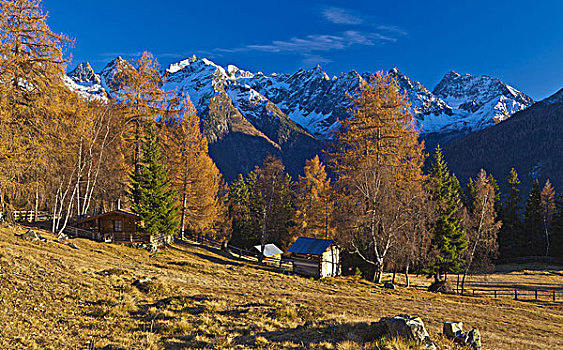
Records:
x=314, y=202
x=378, y=160
x=195, y=177
x=31, y=97
x=483, y=225
x=151, y=194
x=548, y=210
x=137, y=93
x=449, y=240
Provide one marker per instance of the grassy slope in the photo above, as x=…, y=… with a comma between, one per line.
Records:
x=54, y=296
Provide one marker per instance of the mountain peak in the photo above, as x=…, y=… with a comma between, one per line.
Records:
x=83, y=73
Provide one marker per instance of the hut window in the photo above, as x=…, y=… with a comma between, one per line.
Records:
x=117, y=226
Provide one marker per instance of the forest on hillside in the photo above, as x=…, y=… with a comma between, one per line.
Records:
x=73, y=156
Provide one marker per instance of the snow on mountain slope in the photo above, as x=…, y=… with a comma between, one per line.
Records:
x=458, y=105
x=486, y=100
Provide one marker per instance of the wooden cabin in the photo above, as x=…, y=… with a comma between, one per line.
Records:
x=118, y=226
x=271, y=252
x=315, y=257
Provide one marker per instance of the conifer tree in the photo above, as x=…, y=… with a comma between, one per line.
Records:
x=557, y=250
x=449, y=240
x=153, y=199
x=32, y=97
x=548, y=211
x=194, y=175
x=378, y=161
x=510, y=233
x=137, y=93
x=276, y=197
x=533, y=236
x=483, y=225
x=314, y=202
x=245, y=231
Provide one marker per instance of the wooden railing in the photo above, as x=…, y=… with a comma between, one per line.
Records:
x=132, y=237
x=516, y=294
x=284, y=265
x=76, y=232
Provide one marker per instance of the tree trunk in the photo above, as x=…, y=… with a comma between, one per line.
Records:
x=36, y=203
x=407, y=276
x=379, y=271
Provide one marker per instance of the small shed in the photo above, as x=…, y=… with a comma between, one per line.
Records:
x=271, y=251
x=315, y=257
x=114, y=226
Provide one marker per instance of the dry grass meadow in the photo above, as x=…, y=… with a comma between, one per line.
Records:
x=56, y=297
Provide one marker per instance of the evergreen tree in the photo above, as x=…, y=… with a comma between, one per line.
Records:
x=276, y=197
x=557, y=250
x=533, y=235
x=449, y=241
x=244, y=212
x=548, y=211
x=153, y=199
x=509, y=238
x=470, y=194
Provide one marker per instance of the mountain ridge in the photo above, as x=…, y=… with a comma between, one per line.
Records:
x=285, y=113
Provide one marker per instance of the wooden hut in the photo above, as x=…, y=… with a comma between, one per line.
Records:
x=115, y=226
x=271, y=252
x=315, y=257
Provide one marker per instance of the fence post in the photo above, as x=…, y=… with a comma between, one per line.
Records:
x=473, y=292
x=515, y=294
x=553, y=295
x=536, y=292
x=495, y=293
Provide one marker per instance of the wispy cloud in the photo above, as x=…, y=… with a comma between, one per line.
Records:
x=318, y=43
x=339, y=15
x=311, y=60
x=393, y=29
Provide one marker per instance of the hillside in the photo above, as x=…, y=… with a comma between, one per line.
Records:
x=530, y=141
x=55, y=296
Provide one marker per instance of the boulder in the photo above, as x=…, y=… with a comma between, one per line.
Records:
x=388, y=285
x=473, y=339
x=441, y=287
x=403, y=326
x=33, y=236
x=453, y=330
x=72, y=245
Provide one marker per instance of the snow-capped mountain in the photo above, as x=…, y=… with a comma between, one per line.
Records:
x=84, y=80
x=289, y=113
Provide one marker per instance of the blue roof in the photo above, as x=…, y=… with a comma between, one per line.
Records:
x=315, y=246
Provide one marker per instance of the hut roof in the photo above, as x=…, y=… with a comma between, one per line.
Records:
x=117, y=211
x=314, y=246
x=270, y=249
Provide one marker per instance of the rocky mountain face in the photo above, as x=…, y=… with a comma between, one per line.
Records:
x=530, y=141
x=247, y=115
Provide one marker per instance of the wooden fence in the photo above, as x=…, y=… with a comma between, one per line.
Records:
x=516, y=294
x=530, y=259
x=283, y=265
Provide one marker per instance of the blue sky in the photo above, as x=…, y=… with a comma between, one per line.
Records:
x=518, y=41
